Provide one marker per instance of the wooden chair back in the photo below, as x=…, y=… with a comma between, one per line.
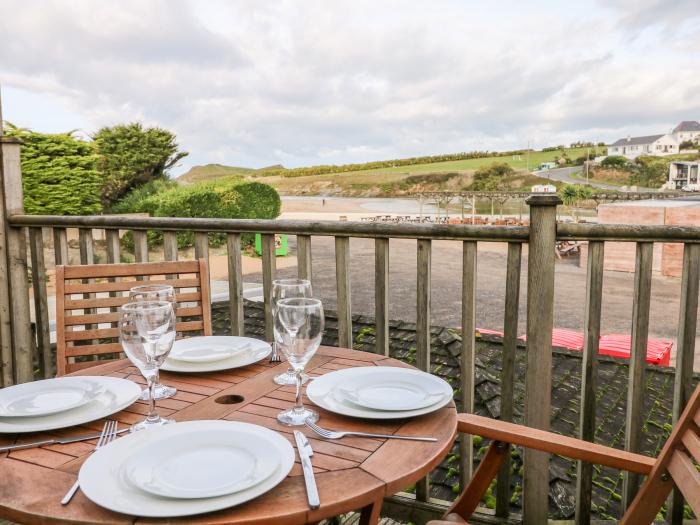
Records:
x=676, y=464
x=88, y=298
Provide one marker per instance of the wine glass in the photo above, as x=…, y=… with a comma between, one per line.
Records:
x=155, y=292
x=286, y=289
x=147, y=333
x=298, y=331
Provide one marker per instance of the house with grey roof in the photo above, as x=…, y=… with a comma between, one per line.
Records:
x=633, y=147
x=688, y=130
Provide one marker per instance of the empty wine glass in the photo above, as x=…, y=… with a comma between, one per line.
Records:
x=287, y=289
x=298, y=331
x=155, y=292
x=147, y=333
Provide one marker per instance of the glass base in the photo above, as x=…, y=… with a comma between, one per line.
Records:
x=289, y=378
x=296, y=418
x=161, y=391
x=151, y=423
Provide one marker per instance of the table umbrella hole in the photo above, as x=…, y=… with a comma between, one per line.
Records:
x=229, y=399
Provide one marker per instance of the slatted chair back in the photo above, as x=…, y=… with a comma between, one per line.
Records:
x=675, y=465
x=88, y=298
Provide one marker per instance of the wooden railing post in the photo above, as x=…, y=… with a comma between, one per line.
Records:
x=7, y=144
x=17, y=263
x=538, y=378
x=381, y=295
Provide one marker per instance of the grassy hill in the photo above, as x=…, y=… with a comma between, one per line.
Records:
x=430, y=176
x=210, y=172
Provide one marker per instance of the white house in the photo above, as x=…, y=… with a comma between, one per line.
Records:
x=687, y=130
x=633, y=147
x=682, y=173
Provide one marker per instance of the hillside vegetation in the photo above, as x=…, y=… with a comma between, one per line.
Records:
x=396, y=180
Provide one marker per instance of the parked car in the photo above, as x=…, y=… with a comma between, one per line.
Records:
x=691, y=187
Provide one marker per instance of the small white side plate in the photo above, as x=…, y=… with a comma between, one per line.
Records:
x=202, y=464
x=103, y=481
x=49, y=396
x=254, y=350
x=208, y=349
x=117, y=395
x=322, y=392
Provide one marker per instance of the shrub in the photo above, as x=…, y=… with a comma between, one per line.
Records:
x=230, y=199
x=687, y=144
x=492, y=177
x=614, y=161
x=135, y=200
x=131, y=155
x=59, y=175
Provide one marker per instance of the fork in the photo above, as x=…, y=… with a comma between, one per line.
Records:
x=108, y=434
x=275, y=355
x=332, y=434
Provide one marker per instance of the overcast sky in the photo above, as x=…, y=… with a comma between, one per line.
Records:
x=255, y=83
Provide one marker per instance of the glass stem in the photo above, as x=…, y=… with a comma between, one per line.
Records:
x=152, y=414
x=298, y=405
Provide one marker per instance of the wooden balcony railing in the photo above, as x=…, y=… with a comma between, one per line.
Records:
x=17, y=340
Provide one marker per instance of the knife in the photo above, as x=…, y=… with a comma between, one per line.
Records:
x=305, y=453
x=60, y=441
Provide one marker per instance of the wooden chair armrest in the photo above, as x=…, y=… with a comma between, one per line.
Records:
x=553, y=443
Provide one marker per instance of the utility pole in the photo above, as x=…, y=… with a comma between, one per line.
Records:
x=527, y=154
x=588, y=152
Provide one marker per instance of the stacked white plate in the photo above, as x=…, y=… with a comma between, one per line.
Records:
x=213, y=353
x=186, y=468
x=63, y=402
x=379, y=392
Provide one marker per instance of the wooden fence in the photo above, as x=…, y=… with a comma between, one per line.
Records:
x=18, y=342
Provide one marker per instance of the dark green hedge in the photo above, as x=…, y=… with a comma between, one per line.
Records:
x=59, y=175
x=231, y=199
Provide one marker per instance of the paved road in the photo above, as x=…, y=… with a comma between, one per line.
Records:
x=564, y=175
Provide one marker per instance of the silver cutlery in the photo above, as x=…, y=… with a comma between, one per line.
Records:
x=108, y=434
x=57, y=441
x=305, y=453
x=333, y=434
x=275, y=355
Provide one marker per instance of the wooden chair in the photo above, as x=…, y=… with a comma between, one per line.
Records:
x=674, y=466
x=88, y=297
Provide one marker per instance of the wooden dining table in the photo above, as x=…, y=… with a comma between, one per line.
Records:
x=352, y=473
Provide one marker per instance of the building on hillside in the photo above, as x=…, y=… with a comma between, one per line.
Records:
x=682, y=173
x=544, y=188
x=687, y=130
x=633, y=147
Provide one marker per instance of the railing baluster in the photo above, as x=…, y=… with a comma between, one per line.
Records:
x=589, y=375
x=468, y=354
x=6, y=364
x=113, y=246
x=510, y=344
x=423, y=335
x=15, y=309
x=201, y=245
x=170, y=246
x=235, y=283
x=41, y=309
x=141, y=245
x=381, y=294
x=538, y=377
x=685, y=350
x=269, y=263
x=342, y=279
x=304, y=257
x=86, y=245
x=638, y=355
x=60, y=246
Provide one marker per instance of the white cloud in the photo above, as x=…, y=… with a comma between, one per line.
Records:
x=257, y=83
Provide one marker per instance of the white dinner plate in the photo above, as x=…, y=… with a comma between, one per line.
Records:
x=321, y=391
x=203, y=464
x=117, y=395
x=102, y=477
x=207, y=349
x=395, y=389
x=49, y=396
x=253, y=353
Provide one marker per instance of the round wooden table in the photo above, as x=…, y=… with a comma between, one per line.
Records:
x=352, y=473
